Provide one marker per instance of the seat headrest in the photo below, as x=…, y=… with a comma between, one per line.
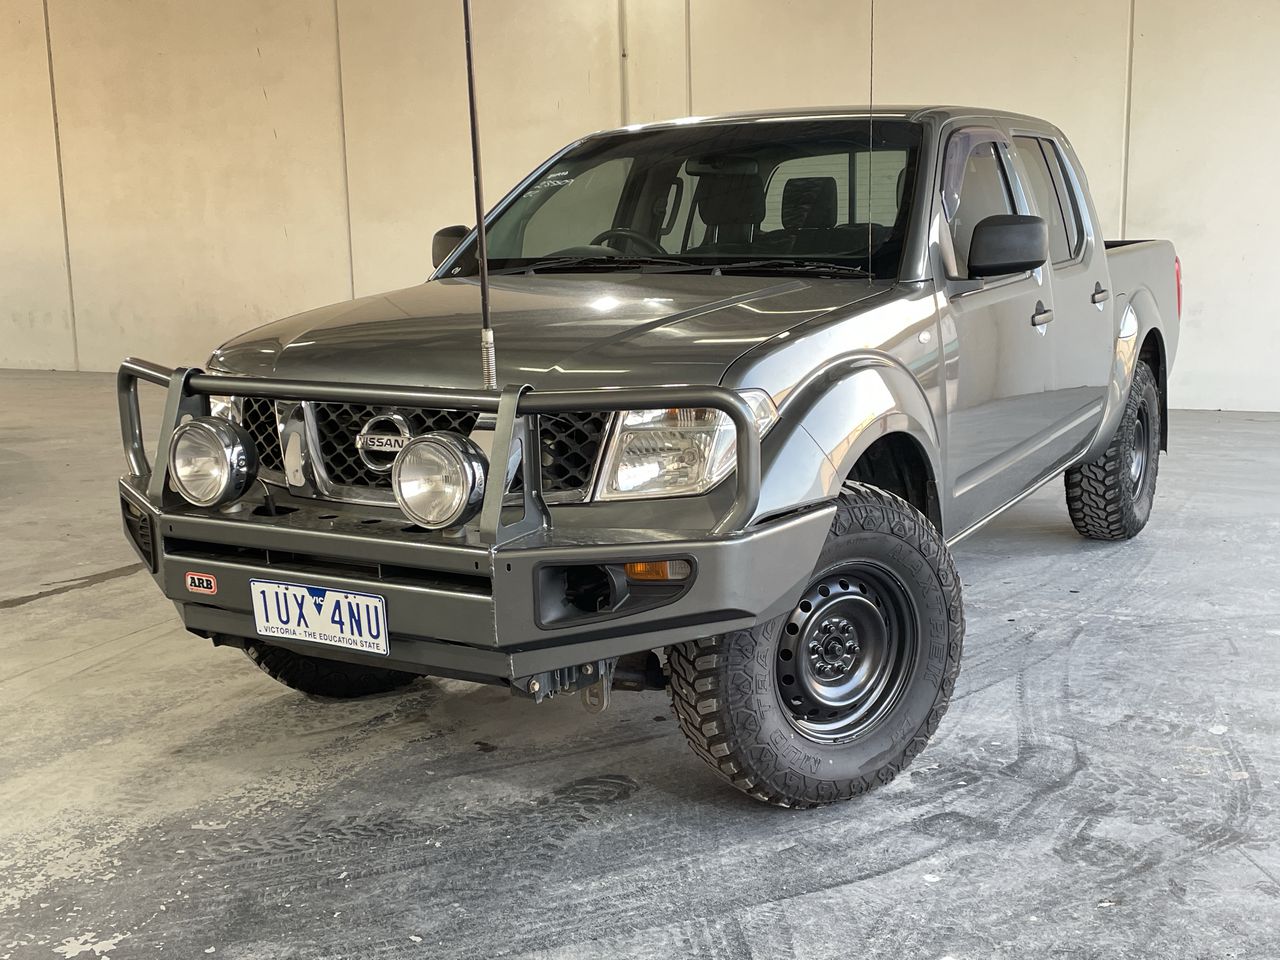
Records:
x=808, y=203
x=725, y=199
x=902, y=185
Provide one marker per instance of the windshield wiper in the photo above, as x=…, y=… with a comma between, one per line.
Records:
x=591, y=263
x=815, y=267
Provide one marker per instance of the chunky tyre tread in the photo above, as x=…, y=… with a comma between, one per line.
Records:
x=317, y=677
x=700, y=681
x=1099, y=499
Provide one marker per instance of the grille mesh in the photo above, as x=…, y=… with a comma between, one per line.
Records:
x=570, y=441
x=259, y=418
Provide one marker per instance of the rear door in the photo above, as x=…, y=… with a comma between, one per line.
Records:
x=998, y=364
x=1082, y=334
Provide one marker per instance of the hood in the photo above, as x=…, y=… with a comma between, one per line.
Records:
x=552, y=331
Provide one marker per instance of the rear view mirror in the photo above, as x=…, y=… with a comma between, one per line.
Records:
x=710, y=166
x=1008, y=243
x=445, y=242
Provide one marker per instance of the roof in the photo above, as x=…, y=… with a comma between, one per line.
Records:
x=896, y=111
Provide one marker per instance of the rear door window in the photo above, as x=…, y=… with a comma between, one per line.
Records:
x=1072, y=216
x=1048, y=203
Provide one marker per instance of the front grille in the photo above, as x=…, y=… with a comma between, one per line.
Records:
x=259, y=418
x=338, y=424
x=570, y=441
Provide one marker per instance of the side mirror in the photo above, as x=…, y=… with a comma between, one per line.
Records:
x=445, y=242
x=1008, y=243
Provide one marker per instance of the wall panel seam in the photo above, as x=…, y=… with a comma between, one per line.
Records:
x=62, y=193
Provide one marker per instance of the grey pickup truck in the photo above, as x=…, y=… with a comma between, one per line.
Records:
x=760, y=372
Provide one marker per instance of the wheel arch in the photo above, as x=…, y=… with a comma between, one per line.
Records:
x=871, y=419
x=1152, y=353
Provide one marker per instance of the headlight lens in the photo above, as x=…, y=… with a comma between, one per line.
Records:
x=679, y=452
x=212, y=461
x=438, y=479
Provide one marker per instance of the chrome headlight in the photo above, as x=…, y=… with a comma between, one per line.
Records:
x=212, y=461
x=438, y=479
x=674, y=453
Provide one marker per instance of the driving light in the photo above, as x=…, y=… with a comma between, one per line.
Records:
x=438, y=479
x=676, y=452
x=212, y=461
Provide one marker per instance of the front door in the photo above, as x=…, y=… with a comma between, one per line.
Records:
x=998, y=372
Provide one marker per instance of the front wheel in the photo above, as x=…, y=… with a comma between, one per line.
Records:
x=841, y=694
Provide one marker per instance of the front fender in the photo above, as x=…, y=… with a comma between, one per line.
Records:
x=853, y=402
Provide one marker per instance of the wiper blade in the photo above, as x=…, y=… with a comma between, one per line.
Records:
x=591, y=263
x=819, y=267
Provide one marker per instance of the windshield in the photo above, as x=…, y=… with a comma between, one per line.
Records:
x=831, y=194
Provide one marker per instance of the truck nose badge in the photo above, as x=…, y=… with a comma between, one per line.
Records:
x=381, y=439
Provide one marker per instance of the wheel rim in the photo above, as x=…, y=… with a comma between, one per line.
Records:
x=845, y=653
x=1138, y=453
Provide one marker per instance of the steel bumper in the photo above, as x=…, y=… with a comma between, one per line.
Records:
x=465, y=609
x=500, y=598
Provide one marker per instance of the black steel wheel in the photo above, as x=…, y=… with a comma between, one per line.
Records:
x=839, y=695
x=1110, y=498
x=845, y=652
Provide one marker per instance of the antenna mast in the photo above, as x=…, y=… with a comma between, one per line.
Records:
x=488, y=354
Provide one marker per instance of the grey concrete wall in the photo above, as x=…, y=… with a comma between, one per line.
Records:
x=224, y=164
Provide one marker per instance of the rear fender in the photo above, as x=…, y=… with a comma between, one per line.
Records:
x=1139, y=315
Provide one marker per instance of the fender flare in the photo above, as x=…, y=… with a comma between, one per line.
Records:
x=1139, y=316
x=854, y=400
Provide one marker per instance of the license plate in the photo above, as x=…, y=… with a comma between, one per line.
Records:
x=340, y=618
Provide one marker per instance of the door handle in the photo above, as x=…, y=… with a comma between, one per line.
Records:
x=1041, y=316
x=1100, y=295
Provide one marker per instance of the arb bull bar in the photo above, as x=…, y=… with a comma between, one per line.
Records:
x=487, y=602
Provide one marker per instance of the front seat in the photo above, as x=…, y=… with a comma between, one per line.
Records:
x=810, y=207
x=732, y=206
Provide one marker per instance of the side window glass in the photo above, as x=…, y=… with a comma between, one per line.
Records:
x=579, y=207
x=833, y=167
x=1067, y=194
x=1048, y=204
x=974, y=187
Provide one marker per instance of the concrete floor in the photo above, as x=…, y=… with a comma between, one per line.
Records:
x=1104, y=786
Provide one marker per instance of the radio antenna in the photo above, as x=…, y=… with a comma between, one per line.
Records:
x=488, y=353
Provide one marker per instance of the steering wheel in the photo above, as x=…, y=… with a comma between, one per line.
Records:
x=635, y=236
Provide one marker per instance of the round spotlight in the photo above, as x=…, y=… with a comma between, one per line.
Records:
x=212, y=461
x=438, y=479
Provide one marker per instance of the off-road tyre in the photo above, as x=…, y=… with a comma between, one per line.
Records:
x=727, y=696
x=317, y=677
x=1105, y=499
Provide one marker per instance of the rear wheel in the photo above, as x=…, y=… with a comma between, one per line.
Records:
x=841, y=694
x=1111, y=497
x=318, y=677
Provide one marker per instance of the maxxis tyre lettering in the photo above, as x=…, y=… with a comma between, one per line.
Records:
x=1101, y=497
x=724, y=696
x=317, y=677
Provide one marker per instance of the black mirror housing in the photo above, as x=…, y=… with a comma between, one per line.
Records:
x=1008, y=243
x=445, y=242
